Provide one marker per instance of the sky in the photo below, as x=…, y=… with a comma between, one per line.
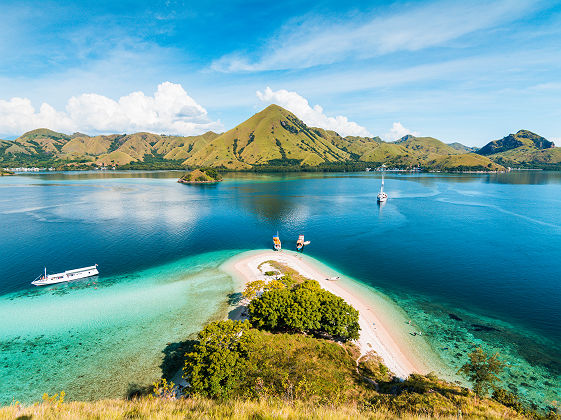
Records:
x=466, y=71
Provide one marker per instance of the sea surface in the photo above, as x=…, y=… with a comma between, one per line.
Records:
x=473, y=259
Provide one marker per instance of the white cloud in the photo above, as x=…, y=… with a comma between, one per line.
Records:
x=313, y=116
x=171, y=110
x=311, y=41
x=398, y=131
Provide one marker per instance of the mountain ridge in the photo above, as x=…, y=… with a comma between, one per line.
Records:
x=273, y=137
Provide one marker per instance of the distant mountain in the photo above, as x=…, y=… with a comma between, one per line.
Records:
x=523, y=149
x=271, y=139
x=513, y=141
x=462, y=148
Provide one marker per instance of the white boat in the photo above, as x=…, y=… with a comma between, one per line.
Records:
x=382, y=196
x=69, y=275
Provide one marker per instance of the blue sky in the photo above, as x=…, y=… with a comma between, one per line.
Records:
x=469, y=71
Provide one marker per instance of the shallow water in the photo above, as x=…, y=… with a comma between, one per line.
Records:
x=473, y=259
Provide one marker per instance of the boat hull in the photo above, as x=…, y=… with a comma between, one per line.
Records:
x=66, y=277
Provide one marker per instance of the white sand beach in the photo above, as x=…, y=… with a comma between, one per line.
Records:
x=380, y=331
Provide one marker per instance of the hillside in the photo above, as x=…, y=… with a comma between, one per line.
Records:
x=273, y=134
x=273, y=139
x=462, y=148
x=291, y=376
x=523, y=149
x=513, y=141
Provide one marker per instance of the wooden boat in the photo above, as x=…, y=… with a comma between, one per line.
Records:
x=300, y=243
x=276, y=242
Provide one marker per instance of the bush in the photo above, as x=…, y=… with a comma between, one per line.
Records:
x=305, y=308
x=219, y=361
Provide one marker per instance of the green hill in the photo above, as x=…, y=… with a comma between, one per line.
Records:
x=523, y=149
x=273, y=134
x=466, y=162
x=513, y=141
x=273, y=139
x=462, y=148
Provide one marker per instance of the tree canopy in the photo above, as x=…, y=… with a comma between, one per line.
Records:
x=482, y=370
x=306, y=307
x=219, y=359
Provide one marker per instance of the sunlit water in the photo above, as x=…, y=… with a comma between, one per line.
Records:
x=472, y=259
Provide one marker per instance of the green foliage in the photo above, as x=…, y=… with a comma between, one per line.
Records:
x=482, y=370
x=291, y=367
x=163, y=389
x=305, y=308
x=220, y=359
x=372, y=367
x=252, y=288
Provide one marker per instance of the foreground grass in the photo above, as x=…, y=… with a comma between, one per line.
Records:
x=198, y=408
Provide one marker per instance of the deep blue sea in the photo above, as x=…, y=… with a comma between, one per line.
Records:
x=474, y=259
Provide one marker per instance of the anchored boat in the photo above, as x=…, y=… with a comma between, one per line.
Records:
x=69, y=275
x=276, y=242
x=300, y=243
x=382, y=196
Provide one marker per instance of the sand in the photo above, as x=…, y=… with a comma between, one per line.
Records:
x=380, y=331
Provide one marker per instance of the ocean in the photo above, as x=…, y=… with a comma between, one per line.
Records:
x=473, y=259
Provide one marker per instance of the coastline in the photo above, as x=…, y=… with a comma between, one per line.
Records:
x=384, y=326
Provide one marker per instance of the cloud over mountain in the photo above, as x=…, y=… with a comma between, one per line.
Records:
x=313, y=116
x=170, y=110
x=398, y=131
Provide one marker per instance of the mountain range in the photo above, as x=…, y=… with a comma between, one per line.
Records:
x=272, y=138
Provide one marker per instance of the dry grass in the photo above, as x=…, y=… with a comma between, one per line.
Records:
x=197, y=408
x=285, y=269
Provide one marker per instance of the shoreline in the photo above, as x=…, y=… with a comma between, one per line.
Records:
x=384, y=326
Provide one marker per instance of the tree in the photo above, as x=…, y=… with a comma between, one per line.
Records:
x=219, y=359
x=252, y=288
x=482, y=370
x=338, y=318
x=305, y=308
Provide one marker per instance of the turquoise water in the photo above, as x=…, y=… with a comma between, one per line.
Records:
x=473, y=260
x=101, y=337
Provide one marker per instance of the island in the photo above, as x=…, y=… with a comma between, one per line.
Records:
x=201, y=176
x=299, y=340
x=4, y=172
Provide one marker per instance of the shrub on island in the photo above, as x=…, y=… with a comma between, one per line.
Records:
x=307, y=308
x=232, y=360
x=201, y=176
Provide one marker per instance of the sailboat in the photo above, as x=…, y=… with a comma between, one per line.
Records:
x=382, y=196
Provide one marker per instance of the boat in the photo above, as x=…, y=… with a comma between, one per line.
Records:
x=276, y=242
x=69, y=275
x=382, y=196
x=300, y=243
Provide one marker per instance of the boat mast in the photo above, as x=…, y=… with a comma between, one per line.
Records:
x=382, y=189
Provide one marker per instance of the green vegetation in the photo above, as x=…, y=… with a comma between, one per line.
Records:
x=524, y=150
x=201, y=176
x=295, y=369
x=221, y=359
x=306, y=307
x=482, y=370
x=273, y=140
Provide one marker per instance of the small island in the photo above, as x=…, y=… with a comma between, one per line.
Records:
x=4, y=172
x=201, y=176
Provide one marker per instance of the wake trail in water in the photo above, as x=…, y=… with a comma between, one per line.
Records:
x=500, y=209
